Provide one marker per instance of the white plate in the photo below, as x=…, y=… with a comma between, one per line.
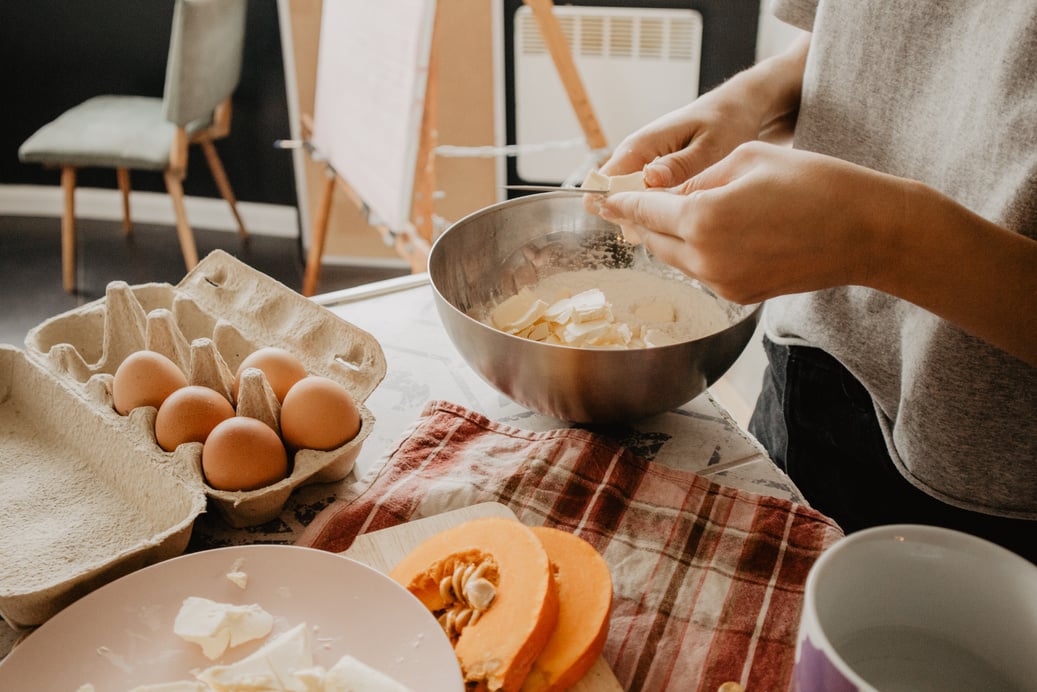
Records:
x=121, y=635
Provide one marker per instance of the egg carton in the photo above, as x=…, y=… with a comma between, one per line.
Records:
x=88, y=495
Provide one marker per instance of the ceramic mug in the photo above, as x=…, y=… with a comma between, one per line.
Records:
x=908, y=607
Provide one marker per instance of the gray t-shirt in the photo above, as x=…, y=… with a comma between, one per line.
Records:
x=945, y=92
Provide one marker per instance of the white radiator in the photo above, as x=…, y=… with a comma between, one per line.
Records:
x=636, y=64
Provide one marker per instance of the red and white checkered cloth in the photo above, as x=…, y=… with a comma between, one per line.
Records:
x=708, y=580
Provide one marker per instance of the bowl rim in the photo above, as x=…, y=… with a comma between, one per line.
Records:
x=752, y=311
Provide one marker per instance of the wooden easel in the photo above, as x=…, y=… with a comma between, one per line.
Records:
x=415, y=240
x=561, y=54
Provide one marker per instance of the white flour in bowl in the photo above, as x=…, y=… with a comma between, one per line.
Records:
x=609, y=308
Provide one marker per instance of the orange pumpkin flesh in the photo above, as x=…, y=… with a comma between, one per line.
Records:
x=584, y=603
x=498, y=650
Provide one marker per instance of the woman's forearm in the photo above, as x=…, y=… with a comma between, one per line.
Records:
x=940, y=255
x=956, y=264
x=772, y=88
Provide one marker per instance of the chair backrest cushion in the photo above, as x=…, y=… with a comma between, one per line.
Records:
x=204, y=63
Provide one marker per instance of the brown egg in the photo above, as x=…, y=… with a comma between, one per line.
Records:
x=318, y=413
x=243, y=453
x=282, y=369
x=145, y=378
x=189, y=414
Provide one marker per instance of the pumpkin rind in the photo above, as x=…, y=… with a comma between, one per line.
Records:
x=584, y=603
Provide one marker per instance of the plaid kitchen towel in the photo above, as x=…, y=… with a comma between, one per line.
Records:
x=708, y=580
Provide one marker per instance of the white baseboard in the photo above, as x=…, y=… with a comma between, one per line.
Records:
x=156, y=208
x=149, y=207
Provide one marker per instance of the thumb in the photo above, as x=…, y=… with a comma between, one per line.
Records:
x=654, y=210
x=623, y=161
x=669, y=170
x=673, y=169
x=719, y=174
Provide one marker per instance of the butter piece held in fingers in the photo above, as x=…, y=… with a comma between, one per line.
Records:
x=631, y=182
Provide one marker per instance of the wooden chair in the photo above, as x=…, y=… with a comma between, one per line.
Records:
x=149, y=133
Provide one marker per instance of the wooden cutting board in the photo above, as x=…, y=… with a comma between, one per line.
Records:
x=384, y=549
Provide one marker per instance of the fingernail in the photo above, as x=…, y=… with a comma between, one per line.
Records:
x=606, y=213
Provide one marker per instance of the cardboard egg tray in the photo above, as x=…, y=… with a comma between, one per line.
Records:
x=88, y=495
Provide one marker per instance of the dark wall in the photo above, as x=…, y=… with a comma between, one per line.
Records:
x=55, y=54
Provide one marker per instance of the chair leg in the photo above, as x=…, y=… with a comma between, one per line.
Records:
x=68, y=230
x=183, y=229
x=123, y=175
x=222, y=182
x=320, y=231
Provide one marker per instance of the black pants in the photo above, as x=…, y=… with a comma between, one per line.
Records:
x=818, y=423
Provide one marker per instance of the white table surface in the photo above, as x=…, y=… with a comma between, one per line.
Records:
x=423, y=365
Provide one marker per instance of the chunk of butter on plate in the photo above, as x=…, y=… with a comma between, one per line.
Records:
x=218, y=626
x=285, y=664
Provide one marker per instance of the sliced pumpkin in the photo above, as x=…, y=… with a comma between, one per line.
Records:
x=489, y=581
x=584, y=604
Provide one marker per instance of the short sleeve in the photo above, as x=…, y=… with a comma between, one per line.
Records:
x=798, y=13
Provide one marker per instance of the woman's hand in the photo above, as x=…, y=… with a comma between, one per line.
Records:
x=769, y=220
x=678, y=145
x=758, y=102
x=764, y=221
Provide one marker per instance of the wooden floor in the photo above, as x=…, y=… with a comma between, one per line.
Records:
x=30, y=265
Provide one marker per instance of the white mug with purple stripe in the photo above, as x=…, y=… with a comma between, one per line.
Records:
x=909, y=607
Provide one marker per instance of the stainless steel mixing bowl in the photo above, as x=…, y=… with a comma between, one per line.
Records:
x=492, y=253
